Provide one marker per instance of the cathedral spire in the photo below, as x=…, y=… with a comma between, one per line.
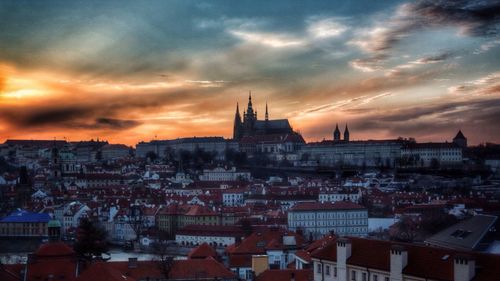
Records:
x=346, y=133
x=267, y=113
x=237, y=116
x=336, y=133
x=250, y=109
x=237, y=122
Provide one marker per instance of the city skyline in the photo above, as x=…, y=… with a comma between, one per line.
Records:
x=132, y=71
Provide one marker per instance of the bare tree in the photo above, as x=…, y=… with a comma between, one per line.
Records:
x=162, y=256
x=136, y=221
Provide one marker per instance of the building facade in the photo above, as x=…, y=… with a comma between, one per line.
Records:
x=318, y=219
x=358, y=259
x=370, y=153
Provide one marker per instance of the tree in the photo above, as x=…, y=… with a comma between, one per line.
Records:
x=151, y=155
x=90, y=240
x=405, y=230
x=434, y=164
x=162, y=257
x=136, y=221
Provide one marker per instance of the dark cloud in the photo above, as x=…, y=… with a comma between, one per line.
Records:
x=113, y=124
x=433, y=58
x=478, y=116
x=472, y=17
x=475, y=18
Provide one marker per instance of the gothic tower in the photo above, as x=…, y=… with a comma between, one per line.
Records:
x=267, y=113
x=250, y=116
x=336, y=133
x=237, y=123
x=346, y=133
x=460, y=139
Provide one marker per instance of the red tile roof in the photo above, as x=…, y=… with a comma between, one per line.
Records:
x=54, y=249
x=203, y=251
x=286, y=274
x=103, y=272
x=11, y=272
x=423, y=261
x=270, y=238
x=199, y=268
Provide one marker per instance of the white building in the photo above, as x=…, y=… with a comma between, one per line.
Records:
x=318, y=219
x=233, y=197
x=370, y=153
x=429, y=154
x=216, y=236
x=335, y=195
x=115, y=151
x=222, y=174
x=72, y=214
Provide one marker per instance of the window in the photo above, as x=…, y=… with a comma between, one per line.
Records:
x=386, y=278
x=375, y=277
x=318, y=268
x=363, y=277
x=353, y=275
x=335, y=271
x=327, y=270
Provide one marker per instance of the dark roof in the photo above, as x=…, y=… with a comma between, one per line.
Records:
x=459, y=135
x=465, y=235
x=286, y=274
x=432, y=145
x=199, y=269
x=273, y=138
x=339, y=205
x=54, y=249
x=36, y=143
x=25, y=216
x=273, y=124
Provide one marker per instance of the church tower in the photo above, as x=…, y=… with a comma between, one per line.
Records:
x=250, y=116
x=336, y=133
x=346, y=133
x=267, y=113
x=460, y=139
x=237, y=123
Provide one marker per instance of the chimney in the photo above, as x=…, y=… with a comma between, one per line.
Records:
x=132, y=262
x=464, y=268
x=260, y=263
x=399, y=260
x=343, y=253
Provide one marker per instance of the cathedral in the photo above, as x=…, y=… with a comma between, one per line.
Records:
x=251, y=126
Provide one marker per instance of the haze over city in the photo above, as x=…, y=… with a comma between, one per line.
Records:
x=130, y=71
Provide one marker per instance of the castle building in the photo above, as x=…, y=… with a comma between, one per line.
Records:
x=252, y=126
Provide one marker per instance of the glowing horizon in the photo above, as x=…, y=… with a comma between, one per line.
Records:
x=129, y=71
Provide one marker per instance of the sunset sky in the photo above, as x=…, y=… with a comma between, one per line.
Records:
x=128, y=71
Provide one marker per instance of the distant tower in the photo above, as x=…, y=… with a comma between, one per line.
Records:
x=460, y=140
x=55, y=162
x=267, y=113
x=54, y=229
x=346, y=133
x=250, y=116
x=237, y=123
x=336, y=133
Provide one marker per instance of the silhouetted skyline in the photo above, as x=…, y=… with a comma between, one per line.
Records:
x=128, y=71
